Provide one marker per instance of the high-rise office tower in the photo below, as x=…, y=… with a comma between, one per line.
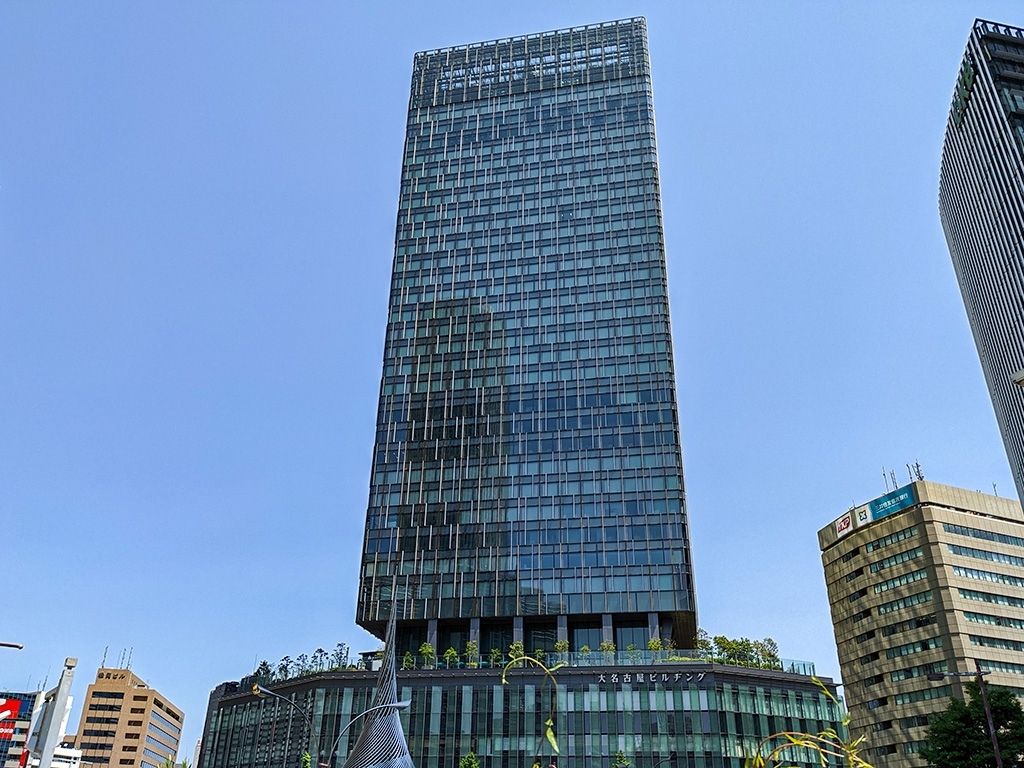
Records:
x=527, y=478
x=925, y=581
x=527, y=481
x=981, y=202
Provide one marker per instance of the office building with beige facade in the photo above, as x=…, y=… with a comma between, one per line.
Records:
x=127, y=724
x=924, y=581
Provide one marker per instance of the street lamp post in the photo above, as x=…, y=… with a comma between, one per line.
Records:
x=259, y=691
x=16, y=646
x=671, y=756
x=980, y=675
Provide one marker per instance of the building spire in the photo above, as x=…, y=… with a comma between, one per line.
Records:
x=381, y=744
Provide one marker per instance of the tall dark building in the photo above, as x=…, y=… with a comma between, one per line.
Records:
x=527, y=480
x=981, y=202
x=527, y=477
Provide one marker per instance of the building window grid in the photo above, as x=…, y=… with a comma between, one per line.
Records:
x=897, y=559
x=524, y=290
x=983, y=217
x=890, y=539
x=918, y=646
x=669, y=719
x=991, y=597
x=997, y=642
x=998, y=621
x=984, y=554
x=901, y=580
x=998, y=578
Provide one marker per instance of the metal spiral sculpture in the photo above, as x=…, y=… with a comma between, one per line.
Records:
x=381, y=744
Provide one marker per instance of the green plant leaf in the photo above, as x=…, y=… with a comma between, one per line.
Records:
x=550, y=734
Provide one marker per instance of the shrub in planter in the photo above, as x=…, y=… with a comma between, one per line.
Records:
x=428, y=654
x=451, y=656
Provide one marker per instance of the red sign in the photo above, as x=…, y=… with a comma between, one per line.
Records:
x=9, y=709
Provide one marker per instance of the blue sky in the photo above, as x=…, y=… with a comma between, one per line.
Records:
x=197, y=207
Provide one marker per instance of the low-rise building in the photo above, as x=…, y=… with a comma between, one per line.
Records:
x=15, y=717
x=127, y=724
x=649, y=708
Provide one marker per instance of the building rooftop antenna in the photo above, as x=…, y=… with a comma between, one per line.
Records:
x=918, y=472
x=130, y=651
x=103, y=661
x=885, y=477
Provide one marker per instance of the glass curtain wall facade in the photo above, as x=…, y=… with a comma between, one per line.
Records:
x=706, y=716
x=981, y=203
x=527, y=479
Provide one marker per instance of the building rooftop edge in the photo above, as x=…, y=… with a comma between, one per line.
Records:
x=980, y=23
x=922, y=492
x=531, y=36
x=464, y=675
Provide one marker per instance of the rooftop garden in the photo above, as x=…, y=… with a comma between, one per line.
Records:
x=718, y=649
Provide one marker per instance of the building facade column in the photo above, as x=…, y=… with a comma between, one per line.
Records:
x=562, y=628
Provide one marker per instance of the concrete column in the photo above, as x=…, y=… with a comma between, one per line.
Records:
x=518, y=636
x=607, y=632
x=432, y=634
x=653, y=625
x=562, y=627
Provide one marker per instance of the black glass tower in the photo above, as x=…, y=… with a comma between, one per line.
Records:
x=981, y=202
x=527, y=480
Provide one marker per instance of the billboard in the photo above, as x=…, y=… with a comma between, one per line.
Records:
x=892, y=502
x=844, y=525
x=9, y=709
x=861, y=515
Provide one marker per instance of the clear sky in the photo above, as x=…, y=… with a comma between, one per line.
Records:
x=197, y=210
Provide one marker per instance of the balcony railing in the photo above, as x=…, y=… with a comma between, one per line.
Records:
x=607, y=659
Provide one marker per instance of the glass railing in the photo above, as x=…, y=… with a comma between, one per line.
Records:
x=608, y=659
x=598, y=658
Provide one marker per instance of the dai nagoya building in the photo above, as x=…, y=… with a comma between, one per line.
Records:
x=527, y=482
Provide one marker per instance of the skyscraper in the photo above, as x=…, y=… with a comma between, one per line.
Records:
x=527, y=477
x=527, y=480
x=981, y=203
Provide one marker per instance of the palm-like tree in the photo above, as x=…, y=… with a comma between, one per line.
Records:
x=339, y=656
x=284, y=667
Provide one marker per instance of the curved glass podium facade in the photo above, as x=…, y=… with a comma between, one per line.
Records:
x=708, y=715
